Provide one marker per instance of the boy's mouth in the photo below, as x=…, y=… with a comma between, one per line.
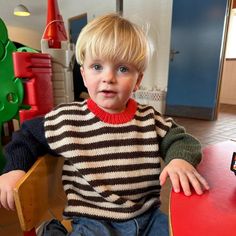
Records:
x=108, y=92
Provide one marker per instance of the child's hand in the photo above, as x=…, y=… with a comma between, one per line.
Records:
x=7, y=183
x=183, y=174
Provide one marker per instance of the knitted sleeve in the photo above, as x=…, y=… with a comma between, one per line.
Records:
x=178, y=144
x=26, y=146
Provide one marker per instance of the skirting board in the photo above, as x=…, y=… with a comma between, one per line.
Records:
x=190, y=112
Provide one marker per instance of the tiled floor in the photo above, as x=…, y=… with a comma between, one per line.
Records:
x=208, y=132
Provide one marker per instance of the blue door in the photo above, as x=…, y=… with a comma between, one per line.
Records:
x=195, y=59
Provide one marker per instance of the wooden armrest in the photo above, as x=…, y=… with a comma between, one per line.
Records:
x=35, y=193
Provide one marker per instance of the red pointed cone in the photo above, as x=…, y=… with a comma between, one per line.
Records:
x=55, y=30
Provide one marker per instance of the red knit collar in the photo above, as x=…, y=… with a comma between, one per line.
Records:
x=117, y=118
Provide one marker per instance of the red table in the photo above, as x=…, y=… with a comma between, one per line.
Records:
x=213, y=213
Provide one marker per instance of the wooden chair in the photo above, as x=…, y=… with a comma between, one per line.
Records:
x=39, y=195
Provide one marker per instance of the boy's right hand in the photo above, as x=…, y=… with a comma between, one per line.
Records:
x=7, y=183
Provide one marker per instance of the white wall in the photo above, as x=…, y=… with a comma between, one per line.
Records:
x=25, y=36
x=228, y=82
x=93, y=8
x=231, y=37
x=158, y=14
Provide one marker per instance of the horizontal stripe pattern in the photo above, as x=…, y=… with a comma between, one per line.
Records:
x=100, y=213
x=111, y=171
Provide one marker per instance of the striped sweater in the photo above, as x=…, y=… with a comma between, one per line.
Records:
x=112, y=161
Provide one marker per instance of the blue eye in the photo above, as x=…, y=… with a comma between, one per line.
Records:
x=123, y=69
x=97, y=67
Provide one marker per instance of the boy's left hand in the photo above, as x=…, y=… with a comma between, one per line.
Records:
x=183, y=174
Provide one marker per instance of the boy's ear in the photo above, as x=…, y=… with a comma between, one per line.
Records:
x=83, y=75
x=139, y=80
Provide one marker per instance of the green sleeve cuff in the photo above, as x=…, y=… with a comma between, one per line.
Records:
x=177, y=144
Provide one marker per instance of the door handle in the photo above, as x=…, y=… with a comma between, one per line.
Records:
x=172, y=54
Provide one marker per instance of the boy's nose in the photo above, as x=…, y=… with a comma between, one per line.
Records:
x=109, y=76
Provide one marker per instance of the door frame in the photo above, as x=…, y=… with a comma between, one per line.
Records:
x=222, y=58
x=81, y=16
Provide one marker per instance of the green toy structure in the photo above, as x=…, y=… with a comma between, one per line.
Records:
x=11, y=88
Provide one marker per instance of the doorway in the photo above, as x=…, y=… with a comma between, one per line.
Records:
x=228, y=84
x=75, y=25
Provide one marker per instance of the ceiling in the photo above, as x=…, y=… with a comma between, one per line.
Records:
x=37, y=19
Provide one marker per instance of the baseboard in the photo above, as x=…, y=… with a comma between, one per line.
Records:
x=190, y=112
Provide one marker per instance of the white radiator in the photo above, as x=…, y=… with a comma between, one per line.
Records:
x=155, y=98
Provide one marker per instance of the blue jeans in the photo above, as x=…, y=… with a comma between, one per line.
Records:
x=153, y=223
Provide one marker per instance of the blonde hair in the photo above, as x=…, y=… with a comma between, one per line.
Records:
x=114, y=38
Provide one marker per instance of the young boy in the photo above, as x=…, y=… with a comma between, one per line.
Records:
x=112, y=145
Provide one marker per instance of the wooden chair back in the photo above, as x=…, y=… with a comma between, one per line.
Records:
x=39, y=195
